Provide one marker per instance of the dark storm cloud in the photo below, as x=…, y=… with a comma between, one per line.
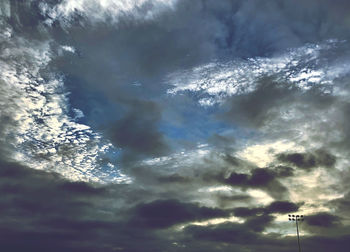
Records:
x=274, y=207
x=245, y=233
x=237, y=179
x=324, y=243
x=30, y=188
x=325, y=220
x=259, y=223
x=240, y=234
x=259, y=177
x=262, y=178
x=282, y=207
x=308, y=161
x=165, y=213
x=32, y=200
x=42, y=211
x=300, y=160
x=227, y=232
x=137, y=131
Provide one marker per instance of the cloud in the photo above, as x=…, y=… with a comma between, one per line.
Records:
x=254, y=109
x=137, y=131
x=165, y=213
x=105, y=11
x=173, y=178
x=41, y=128
x=44, y=211
x=274, y=207
x=80, y=188
x=184, y=98
x=227, y=232
x=262, y=178
x=341, y=204
x=282, y=207
x=309, y=161
x=325, y=220
x=259, y=223
x=34, y=199
x=323, y=243
x=301, y=68
x=247, y=212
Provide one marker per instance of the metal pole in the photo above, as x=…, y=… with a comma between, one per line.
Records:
x=296, y=221
x=296, y=218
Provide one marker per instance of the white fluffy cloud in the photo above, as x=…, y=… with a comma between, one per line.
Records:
x=105, y=10
x=43, y=134
x=302, y=66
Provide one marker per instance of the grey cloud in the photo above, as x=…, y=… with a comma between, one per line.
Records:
x=255, y=108
x=247, y=212
x=141, y=51
x=165, y=213
x=283, y=171
x=266, y=103
x=282, y=207
x=81, y=188
x=259, y=223
x=325, y=220
x=309, y=161
x=231, y=160
x=324, y=243
x=173, y=178
x=239, y=234
x=35, y=197
x=261, y=178
x=137, y=131
x=300, y=160
x=341, y=205
x=274, y=207
x=227, y=232
x=147, y=51
x=225, y=201
x=42, y=211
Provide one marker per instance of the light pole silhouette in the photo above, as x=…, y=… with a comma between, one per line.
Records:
x=296, y=218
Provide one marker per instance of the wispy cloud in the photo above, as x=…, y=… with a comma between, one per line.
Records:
x=304, y=67
x=105, y=10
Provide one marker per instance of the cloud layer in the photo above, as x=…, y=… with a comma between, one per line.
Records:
x=174, y=125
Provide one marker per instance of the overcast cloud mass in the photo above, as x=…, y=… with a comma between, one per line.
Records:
x=174, y=125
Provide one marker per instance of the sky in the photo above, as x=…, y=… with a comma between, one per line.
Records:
x=174, y=125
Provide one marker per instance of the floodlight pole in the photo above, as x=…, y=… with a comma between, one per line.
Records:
x=297, y=218
x=296, y=222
